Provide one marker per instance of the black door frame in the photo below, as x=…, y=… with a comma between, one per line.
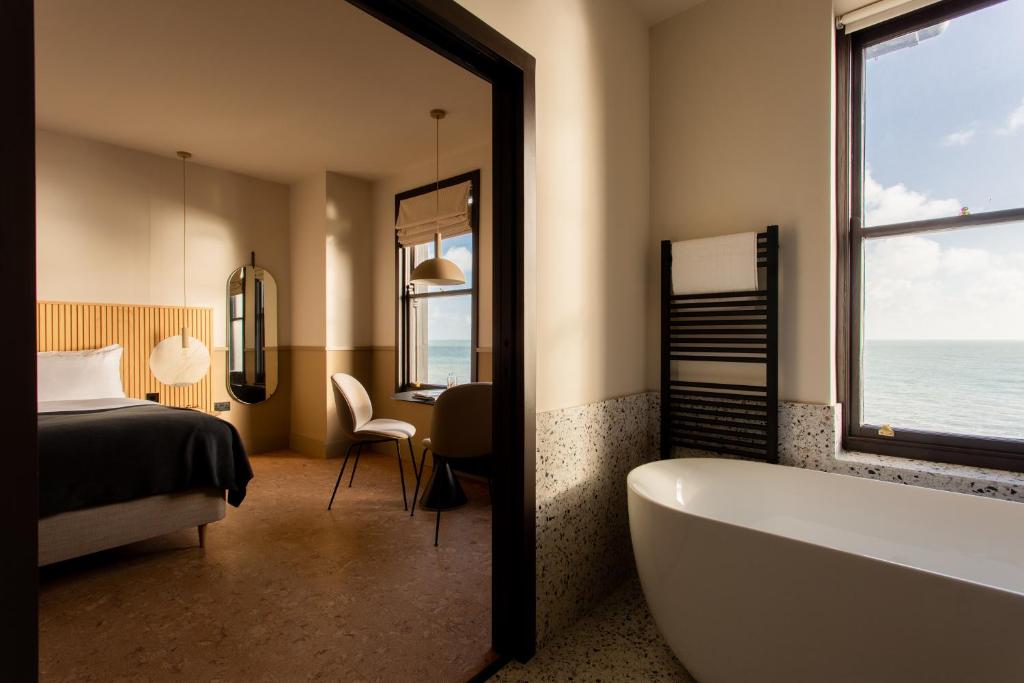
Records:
x=453, y=32
x=447, y=28
x=19, y=506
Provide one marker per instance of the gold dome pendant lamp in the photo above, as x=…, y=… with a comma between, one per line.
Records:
x=181, y=359
x=437, y=270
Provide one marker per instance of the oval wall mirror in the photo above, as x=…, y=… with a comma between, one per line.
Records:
x=252, y=361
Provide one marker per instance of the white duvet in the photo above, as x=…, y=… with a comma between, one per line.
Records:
x=90, y=404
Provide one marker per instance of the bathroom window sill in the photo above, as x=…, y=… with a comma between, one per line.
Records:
x=950, y=477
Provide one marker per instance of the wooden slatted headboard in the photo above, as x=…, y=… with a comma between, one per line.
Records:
x=73, y=326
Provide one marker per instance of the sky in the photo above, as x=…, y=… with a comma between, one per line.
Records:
x=450, y=319
x=944, y=129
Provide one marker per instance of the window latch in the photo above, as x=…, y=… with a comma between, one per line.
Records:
x=886, y=430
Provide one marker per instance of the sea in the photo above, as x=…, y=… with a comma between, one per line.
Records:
x=957, y=387
x=449, y=356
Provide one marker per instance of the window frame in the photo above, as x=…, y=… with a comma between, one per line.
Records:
x=977, y=451
x=403, y=268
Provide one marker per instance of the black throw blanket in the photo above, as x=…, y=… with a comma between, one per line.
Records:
x=99, y=457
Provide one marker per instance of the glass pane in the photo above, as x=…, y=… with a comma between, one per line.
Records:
x=943, y=331
x=944, y=119
x=237, y=345
x=237, y=305
x=458, y=249
x=440, y=335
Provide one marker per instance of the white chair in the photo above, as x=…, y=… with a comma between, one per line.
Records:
x=460, y=428
x=360, y=429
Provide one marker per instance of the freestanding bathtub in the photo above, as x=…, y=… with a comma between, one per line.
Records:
x=762, y=573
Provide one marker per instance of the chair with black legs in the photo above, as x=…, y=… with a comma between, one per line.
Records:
x=460, y=428
x=360, y=429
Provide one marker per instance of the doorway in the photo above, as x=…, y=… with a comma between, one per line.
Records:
x=451, y=31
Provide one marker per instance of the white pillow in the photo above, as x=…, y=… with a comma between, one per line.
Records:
x=77, y=375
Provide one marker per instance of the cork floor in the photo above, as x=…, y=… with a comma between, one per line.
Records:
x=284, y=590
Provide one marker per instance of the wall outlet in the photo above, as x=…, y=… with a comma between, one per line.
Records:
x=153, y=396
x=222, y=406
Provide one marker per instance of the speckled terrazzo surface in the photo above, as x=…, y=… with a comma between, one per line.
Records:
x=810, y=436
x=583, y=549
x=617, y=641
x=284, y=590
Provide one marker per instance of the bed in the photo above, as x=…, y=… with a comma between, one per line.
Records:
x=114, y=469
x=118, y=470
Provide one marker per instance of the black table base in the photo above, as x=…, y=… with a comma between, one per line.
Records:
x=443, y=491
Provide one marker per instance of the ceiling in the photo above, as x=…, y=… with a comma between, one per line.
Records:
x=655, y=11
x=278, y=90
x=844, y=6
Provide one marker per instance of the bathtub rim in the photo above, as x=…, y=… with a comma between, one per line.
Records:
x=631, y=490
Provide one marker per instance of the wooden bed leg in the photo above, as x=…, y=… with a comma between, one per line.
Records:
x=202, y=535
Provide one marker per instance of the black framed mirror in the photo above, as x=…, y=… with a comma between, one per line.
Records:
x=252, y=360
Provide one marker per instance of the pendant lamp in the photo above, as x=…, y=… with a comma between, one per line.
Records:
x=437, y=270
x=181, y=360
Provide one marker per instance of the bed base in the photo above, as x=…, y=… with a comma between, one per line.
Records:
x=80, y=532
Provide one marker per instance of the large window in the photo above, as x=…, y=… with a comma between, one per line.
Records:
x=935, y=347
x=437, y=326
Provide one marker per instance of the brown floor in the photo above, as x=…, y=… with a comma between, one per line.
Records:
x=284, y=589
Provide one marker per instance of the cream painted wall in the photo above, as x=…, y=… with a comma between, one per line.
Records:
x=742, y=137
x=349, y=262
x=332, y=262
x=308, y=261
x=109, y=230
x=350, y=285
x=109, y=227
x=593, y=226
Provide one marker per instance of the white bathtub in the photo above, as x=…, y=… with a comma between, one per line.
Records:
x=761, y=573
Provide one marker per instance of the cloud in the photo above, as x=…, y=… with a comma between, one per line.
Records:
x=1014, y=122
x=898, y=204
x=918, y=287
x=449, y=320
x=462, y=257
x=958, y=138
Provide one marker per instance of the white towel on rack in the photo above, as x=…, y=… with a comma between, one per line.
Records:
x=715, y=264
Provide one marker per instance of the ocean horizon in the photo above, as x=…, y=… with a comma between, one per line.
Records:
x=968, y=387
x=446, y=356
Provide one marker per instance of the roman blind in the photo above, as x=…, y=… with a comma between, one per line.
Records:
x=877, y=12
x=446, y=212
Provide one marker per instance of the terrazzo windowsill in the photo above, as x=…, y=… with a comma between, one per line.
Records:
x=810, y=436
x=948, y=477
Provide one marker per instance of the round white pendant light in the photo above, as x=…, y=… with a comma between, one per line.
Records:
x=181, y=359
x=438, y=270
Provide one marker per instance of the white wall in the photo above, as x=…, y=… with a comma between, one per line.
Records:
x=110, y=227
x=742, y=137
x=593, y=224
x=384, y=191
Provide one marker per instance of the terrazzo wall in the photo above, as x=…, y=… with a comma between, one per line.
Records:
x=583, y=547
x=584, y=454
x=810, y=436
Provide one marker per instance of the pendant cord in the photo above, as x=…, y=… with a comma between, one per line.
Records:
x=437, y=177
x=184, y=254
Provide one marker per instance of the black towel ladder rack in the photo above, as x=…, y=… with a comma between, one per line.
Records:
x=722, y=327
